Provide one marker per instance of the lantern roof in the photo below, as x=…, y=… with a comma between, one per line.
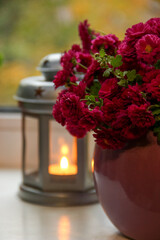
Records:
x=37, y=94
x=49, y=65
x=36, y=89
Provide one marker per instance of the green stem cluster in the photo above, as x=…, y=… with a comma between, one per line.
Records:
x=112, y=64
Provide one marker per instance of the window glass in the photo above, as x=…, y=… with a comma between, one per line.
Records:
x=31, y=146
x=91, y=145
x=30, y=30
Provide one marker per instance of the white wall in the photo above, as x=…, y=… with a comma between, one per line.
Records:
x=10, y=140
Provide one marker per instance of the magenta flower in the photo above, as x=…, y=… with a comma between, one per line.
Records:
x=132, y=95
x=140, y=116
x=136, y=32
x=57, y=114
x=154, y=24
x=90, y=119
x=91, y=72
x=116, y=97
x=131, y=133
x=154, y=88
x=107, y=138
x=71, y=106
x=79, y=89
x=148, y=48
x=150, y=75
x=121, y=120
x=84, y=59
x=128, y=53
x=109, y=42
x=109, y=88
x=61, y=78
x=109, y=109
x=86, y=35
x=76, y=130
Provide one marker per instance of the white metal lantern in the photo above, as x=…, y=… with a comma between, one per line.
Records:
x=57, y=167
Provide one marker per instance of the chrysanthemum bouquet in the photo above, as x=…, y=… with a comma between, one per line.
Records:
x=112, y=87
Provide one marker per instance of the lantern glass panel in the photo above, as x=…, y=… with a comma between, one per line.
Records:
x=31, y=145
x=62, y=151
x=91, y=145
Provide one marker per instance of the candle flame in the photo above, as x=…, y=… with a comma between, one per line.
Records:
x=64, y=163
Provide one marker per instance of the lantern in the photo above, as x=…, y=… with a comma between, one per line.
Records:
x=57, y=167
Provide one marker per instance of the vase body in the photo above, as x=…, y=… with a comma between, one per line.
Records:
x=128, y=187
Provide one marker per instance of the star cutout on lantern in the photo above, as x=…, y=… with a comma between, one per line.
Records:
x=38, y=92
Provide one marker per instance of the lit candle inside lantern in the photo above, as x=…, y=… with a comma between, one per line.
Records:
x=64, y=163
x=63, y=168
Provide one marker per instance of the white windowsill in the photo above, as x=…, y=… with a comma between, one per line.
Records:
x=21, y=220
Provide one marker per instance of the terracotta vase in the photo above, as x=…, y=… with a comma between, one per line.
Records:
x=128, y=187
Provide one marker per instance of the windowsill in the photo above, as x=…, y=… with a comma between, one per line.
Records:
x=22, y=220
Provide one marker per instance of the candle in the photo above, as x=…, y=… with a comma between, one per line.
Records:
x=63, y=168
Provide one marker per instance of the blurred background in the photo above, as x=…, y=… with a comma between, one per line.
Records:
x=32, y=29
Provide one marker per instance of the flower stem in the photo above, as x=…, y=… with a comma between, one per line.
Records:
x=74, y=84
x=81, y=65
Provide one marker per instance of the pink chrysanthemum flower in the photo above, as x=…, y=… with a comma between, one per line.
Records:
x=148, y=49
x=109, y=42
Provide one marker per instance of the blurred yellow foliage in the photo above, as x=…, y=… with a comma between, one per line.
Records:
x=80, y=8
x=112, y=16
x=31, y=29
x=12, y=73
x=10, y=76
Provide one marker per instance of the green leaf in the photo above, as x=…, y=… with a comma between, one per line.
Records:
x=119, y=73
x=101, y=102
x=73, y=60
x=139, y=79
x=125, y=73
x=107, y=72
x=86, y=97
x=92, y=98
x=103, y=64
x=156, y=130
x=94, y=89
x=102, y=52
x=156, y=111
x=144, y=95
x=154, y=106
x=116, y=61
x=131, y=75
x=123, y=83
x=98, y=59
x=157, y=65
x=157, y=118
